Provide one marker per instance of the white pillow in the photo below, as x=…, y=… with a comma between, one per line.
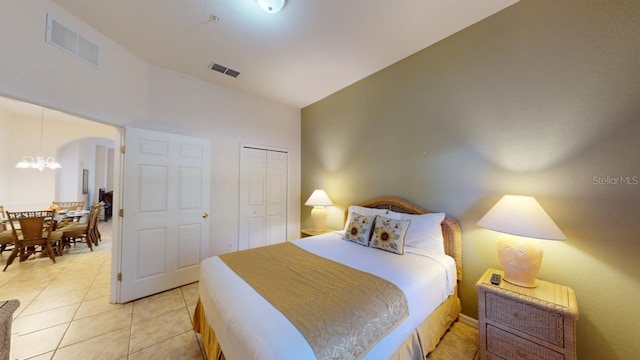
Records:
x=362, y=211
x=425, y=231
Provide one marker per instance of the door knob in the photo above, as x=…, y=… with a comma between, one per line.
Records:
x=205, y=215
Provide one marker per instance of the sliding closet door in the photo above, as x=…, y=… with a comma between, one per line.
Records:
x=253, y=180
x=263, y=197
x=276, y=203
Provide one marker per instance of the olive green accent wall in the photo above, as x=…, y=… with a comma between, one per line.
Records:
x=541, y=99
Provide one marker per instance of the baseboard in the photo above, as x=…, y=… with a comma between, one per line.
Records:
x=468, y=321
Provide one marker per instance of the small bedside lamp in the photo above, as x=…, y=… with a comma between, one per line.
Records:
x=521, y=216
x=319, y=200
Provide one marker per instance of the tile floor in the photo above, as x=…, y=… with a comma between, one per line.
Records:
x=65, y=313
x=460, y=342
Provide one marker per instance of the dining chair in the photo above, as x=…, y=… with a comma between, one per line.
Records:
x=6, y=235
x=93, y=228
x=32, y=229
x=85, y=231
x=6, y=238
x=68, y=206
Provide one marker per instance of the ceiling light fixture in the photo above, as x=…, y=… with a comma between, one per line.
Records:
x=271, y=6
x=39, y=162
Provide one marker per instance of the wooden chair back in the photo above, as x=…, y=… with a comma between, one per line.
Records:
x=30, y=229
x=68, y=205
x=28, y=226
x=6, y=235
x=94, y=217
x=87, y=231
x=3, y=216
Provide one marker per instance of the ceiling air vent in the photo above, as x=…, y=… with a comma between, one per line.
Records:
x=71, y=42
x=224, y=70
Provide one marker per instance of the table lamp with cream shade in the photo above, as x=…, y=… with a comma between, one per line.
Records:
x=319, y=199
x=522, y=222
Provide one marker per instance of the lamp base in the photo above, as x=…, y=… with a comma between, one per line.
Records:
x=319, y=219
x=521, y=259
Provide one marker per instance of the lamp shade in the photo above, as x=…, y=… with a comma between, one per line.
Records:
x=520, y=258
x=319, y=198
x=521, y=216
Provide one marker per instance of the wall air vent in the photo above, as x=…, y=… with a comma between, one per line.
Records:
x=224, y=70
x=68, y=40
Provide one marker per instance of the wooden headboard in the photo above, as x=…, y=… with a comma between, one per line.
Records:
x=450, y=228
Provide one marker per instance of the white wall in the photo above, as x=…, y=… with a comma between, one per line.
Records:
x=83, y=153
x=32, y=70
x=100, y=172
x=68, y=178
x=5, y=160
x=126, y=91
x=228, y=118
x=25, y=189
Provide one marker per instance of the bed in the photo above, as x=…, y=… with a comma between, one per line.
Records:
x=240, y=321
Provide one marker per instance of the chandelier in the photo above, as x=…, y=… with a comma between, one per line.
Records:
x=39, y=162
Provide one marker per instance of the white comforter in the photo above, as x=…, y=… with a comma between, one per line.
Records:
x=248, y=327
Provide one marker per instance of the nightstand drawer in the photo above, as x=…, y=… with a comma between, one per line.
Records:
x=511, y=347
x=526, y=318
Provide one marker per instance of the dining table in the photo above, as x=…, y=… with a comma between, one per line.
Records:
x=72, y=215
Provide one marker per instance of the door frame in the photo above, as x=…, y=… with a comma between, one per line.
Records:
x=116, y=223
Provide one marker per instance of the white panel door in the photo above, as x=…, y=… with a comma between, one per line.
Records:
x=165, y=230
x=263, y=197
x=276, y=202
x=253, y=182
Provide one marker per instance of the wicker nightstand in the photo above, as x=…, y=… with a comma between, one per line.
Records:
x=309, y=232
x=523, y=323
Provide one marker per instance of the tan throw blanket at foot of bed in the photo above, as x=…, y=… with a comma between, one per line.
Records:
x=342, y=312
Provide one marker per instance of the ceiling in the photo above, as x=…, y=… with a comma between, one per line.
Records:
x=307, y=51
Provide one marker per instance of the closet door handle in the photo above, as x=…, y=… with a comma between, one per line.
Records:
x=205, y=215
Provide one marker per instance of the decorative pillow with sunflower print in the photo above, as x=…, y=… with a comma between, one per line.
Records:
x=359, y=229
x=389, y=234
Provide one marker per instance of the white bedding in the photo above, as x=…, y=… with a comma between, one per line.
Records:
x=248, y=327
